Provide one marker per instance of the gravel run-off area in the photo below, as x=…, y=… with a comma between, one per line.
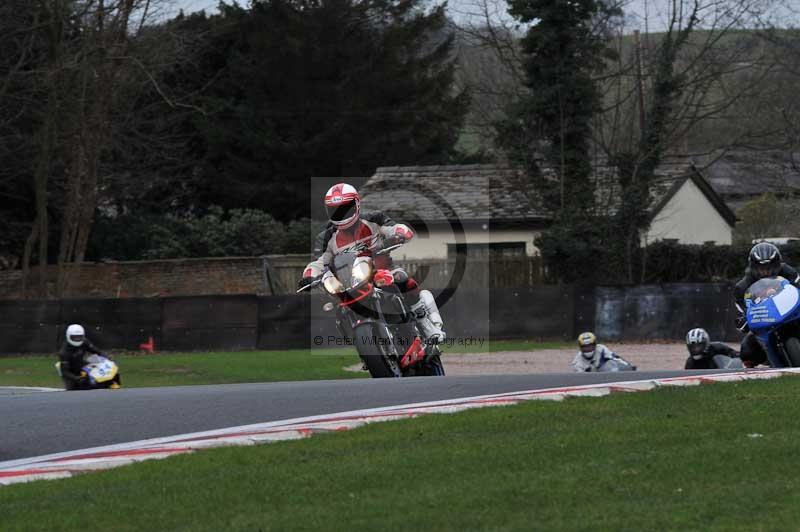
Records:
x=653, y=356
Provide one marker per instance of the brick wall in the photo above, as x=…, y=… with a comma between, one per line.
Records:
x=243, y=275
x=162, y=278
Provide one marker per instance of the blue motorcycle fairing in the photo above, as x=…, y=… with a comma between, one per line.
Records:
x=771, y=303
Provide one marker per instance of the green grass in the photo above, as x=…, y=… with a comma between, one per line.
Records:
x=672, y=459
x=183, y=369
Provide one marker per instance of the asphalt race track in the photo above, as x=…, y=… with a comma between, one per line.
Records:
x=42, y=423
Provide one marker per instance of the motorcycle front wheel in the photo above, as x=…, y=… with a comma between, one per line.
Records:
x=378, y=365
x=792, y=346
x=434, y=367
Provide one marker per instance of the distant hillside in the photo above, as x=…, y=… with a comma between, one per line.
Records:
x=758, y=82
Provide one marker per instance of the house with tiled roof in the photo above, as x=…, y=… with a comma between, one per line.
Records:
x=741, y=176
x=684, y=207
x=495, y=211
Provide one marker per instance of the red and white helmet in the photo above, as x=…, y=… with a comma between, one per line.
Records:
x=343, y=205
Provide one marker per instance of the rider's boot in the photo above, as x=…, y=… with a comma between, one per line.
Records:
x=428, y=318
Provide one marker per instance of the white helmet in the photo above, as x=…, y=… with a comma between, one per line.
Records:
x=343, y=205
x=696, y=342
x=75, y=335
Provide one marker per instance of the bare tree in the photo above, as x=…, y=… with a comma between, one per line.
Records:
x=53, y=15
x=490, y=64
x=84, y=63
x=491, y=60
x=672, y=84
x=96, y=67
x=699, y=78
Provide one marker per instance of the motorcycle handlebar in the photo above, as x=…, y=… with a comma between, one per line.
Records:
x=313, y=284
x=388, y=249
x=393, y=244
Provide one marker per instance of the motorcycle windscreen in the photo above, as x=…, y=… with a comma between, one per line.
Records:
x=770, y=300
x=342, y=267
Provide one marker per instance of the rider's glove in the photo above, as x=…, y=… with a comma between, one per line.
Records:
x=390, y=241
x=404, y=233
x=305, y=281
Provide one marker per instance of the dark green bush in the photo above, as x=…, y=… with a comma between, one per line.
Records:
x=588, y=255
x=215, y=233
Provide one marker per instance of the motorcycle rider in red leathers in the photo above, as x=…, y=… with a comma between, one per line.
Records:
x=343, y=205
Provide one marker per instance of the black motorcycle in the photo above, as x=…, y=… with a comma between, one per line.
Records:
x=371, y=313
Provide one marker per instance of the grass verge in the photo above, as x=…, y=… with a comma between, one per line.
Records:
x=715, y=457
x=177, y=369
x=183, y=369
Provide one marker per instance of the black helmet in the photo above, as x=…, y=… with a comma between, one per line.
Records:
x=765, y=260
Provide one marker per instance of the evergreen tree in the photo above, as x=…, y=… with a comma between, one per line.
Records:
x=322, y=88
x=549, y=131
x=563, y=51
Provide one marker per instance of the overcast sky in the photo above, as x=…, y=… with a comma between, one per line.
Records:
x=197, y=5
x=456, y=5
x=635, y=10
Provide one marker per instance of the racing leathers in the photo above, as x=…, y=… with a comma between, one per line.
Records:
x=597, y=358
x=705, y=359
x=71, y=360
x=321, y=242
x=752, y=352
x=375, y=234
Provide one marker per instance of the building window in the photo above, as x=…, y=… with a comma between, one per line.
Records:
x=494, y=250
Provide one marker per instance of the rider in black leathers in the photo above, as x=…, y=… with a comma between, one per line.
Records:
x=764, y=261
x=72, y=359
x=702, y=350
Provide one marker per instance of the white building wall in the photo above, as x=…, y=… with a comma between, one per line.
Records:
x=434, y=245
x=690, y=218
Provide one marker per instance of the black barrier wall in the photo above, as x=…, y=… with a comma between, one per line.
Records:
x=29, y=326
x=209, y=322
x=39, y=326
x=668, y=311
x=554, y=312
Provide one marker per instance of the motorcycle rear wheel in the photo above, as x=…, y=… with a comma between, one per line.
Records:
x=792, y=346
